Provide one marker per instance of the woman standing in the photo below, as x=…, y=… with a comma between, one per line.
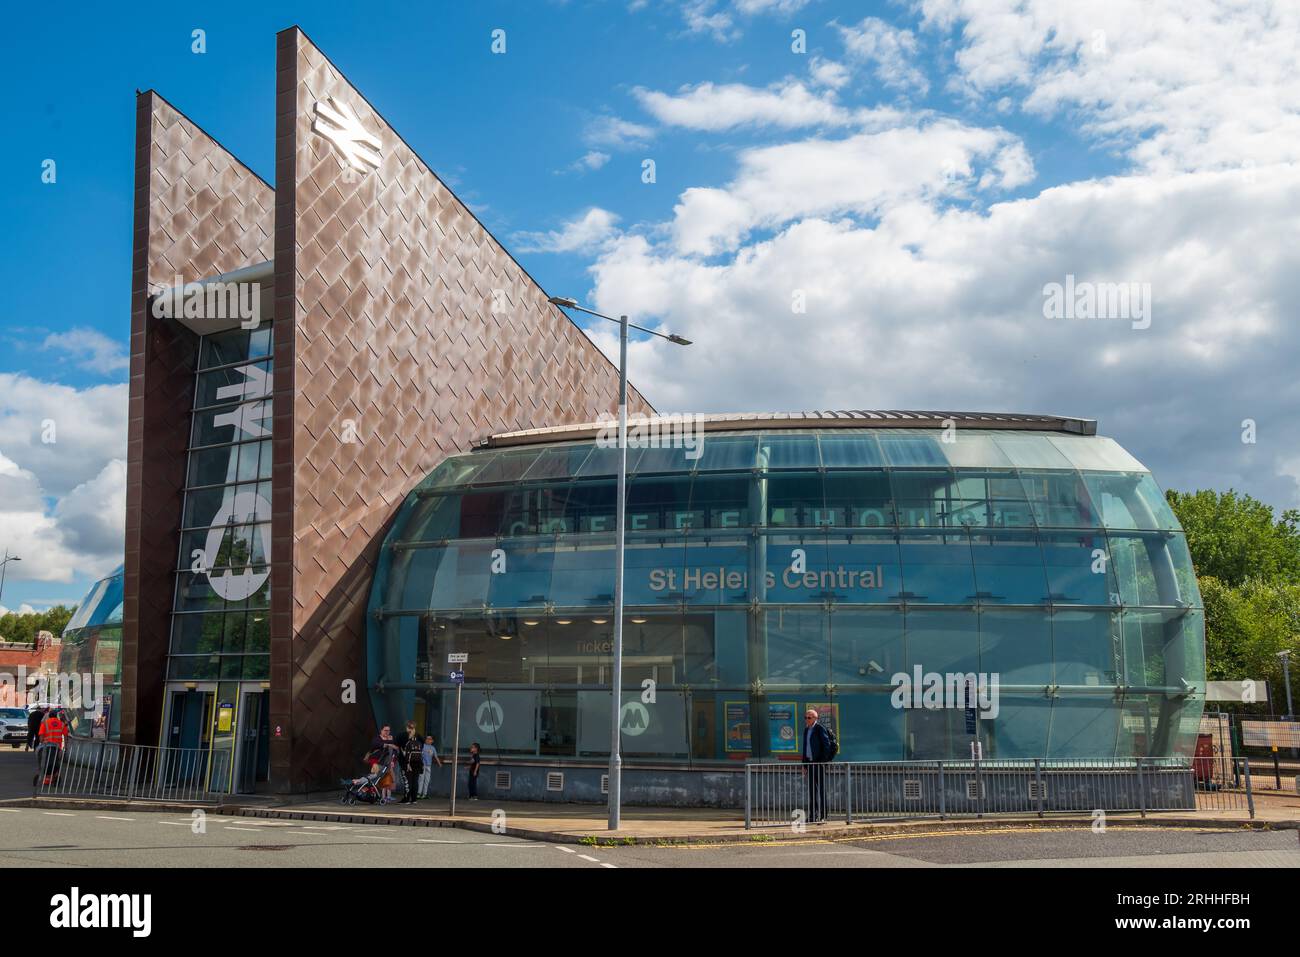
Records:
x=412, y=761
x=383, y=750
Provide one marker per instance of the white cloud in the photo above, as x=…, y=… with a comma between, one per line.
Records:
x=707, y=106
x=610, y=132
x=1180, y=84
x=62, y=502
x=588, y=231
x=92, y=349
x=889, y=51
x=828, y=73
x=716, y=17
x=590, y=161
x=860, y=175
x=932, y=308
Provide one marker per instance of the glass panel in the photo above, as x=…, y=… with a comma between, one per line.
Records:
x=1129, y=500
x=1019, y=730
x=796, y=647
x=974, y=449
x=911, y=450
x=789, y=451
x=216, y=426
x=859, y=499
x=794, y=499
x=1164, y=649
x=1086, y=646
x=871, y=728
x=1144, y=568
x=231, y=385
x=723, y=500
x=850, y=450
x=1079, y=571
x=457, y=470
x=1083, y=727
x=937, y=568
x=558, y=463
x=1028, y=451
x=650, y=460
x=728, y=453
x=1009, y=568
x=1015, y=646
x=990, y=498
x=923, y=498
x=235, y=345
x=214, y=466
x=941, y=641
x=1096, y=453
x=506, y=467
x=1059, y=500
x=866, y=647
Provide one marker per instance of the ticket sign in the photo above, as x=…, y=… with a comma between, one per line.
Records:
x=458, y=658
x=458, y=677
x=1266, y=734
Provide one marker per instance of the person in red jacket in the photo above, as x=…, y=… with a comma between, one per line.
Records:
x=54, y=732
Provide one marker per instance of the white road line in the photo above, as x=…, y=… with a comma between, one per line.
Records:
x=566, y=850
x=58, y=814
x=378, y=837
x=431, y=840
x=510, y=844
x=251, y=830
x=588, y=857
x=11, y=810
x=103, y=817
x=610, y=866
x=177, y=823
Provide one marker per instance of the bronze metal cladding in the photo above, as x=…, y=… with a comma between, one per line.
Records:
x=404, y=333
x=198, y=211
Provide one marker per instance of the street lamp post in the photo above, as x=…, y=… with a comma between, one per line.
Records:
x=1286, y=679
x=3, y=567
x=620, y=515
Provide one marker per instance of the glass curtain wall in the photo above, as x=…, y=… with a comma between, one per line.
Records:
x=785, y=570
x=221, y=618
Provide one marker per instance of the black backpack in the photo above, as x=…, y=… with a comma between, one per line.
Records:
x=832, y=742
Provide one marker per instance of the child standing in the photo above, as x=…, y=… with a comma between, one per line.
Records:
x=430, y=755
x=474, y=759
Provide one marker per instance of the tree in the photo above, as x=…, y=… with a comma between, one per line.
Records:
x=1236, y=537
x=25, y=627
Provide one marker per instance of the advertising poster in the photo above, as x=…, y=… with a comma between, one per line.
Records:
x=829, y=715
x=783, y=727
x=736, y=723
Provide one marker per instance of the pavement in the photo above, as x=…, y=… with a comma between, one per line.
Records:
x=563, y=823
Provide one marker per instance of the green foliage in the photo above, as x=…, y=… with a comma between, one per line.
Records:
x=23, y=628
x=1236, y=537
x=1248, y=566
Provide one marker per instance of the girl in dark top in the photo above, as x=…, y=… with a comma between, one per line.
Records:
x=474, y=759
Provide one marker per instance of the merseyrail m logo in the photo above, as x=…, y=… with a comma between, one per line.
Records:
x=337, y=122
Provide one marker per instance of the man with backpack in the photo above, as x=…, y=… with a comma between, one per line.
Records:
x=819, y=748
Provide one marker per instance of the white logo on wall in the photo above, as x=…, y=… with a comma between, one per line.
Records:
x=244, y=507
x=489, y=717
x=337, y=122
x=248, y=417
x=634, y=719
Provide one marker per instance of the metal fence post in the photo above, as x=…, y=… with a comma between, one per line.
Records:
x=943, y=796
x=1142, y=794
x=1250, y=794
x=749, y=815
x=848, y=793
x=979, y=784
x=1038, y=776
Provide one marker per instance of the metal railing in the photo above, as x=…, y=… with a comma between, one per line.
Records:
x=134, y=772
x=783, y=793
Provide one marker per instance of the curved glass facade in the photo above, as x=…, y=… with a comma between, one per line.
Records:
x=92, y=645
x=783, y=569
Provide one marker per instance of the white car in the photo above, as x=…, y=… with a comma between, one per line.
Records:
x=13, y=726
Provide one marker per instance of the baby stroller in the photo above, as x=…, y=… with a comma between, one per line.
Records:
x=364, y=790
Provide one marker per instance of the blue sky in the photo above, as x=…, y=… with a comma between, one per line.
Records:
x=919, y=170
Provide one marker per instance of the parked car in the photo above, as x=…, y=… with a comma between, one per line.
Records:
x=13, y=726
